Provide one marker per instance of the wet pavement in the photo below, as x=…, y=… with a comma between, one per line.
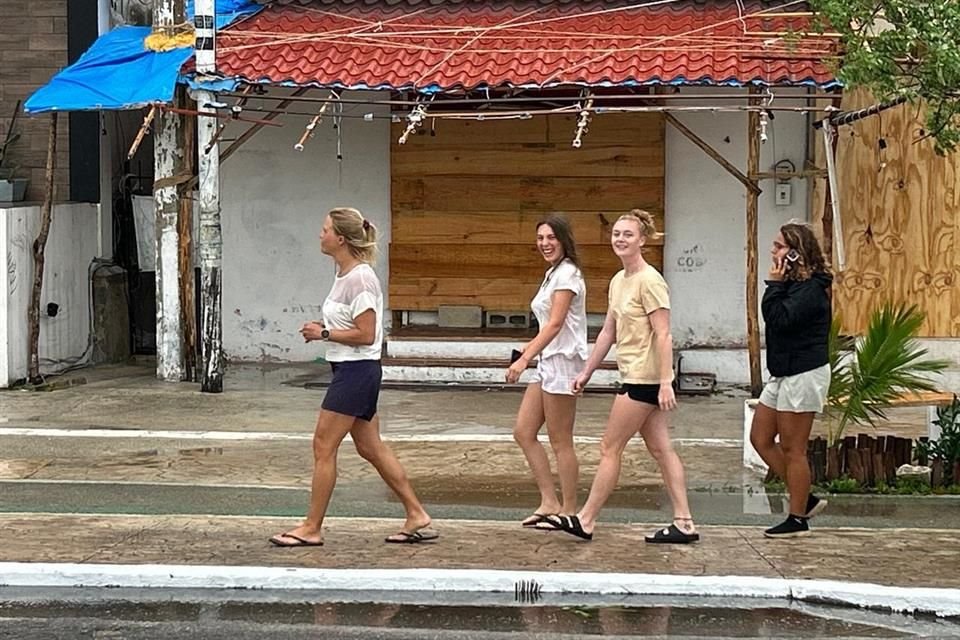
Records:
x=147, y=614
x=124, y=469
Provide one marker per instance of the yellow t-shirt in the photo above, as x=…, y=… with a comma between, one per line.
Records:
x=631, y=300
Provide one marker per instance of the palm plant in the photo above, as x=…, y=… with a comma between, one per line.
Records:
x=869, y=373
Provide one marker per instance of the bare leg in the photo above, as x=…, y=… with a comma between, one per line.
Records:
x=366, y=438
x=626, y=416
x=657, y=438
x=330, y=432
x=561, y=413
x=763, y=432
x=529, y=420
x=794, y=435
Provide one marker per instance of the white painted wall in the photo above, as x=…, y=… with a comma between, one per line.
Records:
x=274, y=200
x=705, y=251
x=71, y=247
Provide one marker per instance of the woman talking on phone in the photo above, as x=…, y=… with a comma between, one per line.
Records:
x=797, y=313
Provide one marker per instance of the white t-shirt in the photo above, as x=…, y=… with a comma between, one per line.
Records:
x=572, y=339
x=353, y=293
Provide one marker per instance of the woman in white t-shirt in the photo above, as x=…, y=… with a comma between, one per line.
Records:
x=561, y=343
x=352, y=326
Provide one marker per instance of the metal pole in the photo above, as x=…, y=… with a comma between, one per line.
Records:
x=211, y=239
x=168, y=164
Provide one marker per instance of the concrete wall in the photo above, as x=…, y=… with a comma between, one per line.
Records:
x=274, y=200
x=71, y=247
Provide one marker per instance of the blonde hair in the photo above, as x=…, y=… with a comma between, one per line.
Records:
x=358, y=232
x=645, y=221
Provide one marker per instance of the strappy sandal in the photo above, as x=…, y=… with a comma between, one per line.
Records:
x=673, y=534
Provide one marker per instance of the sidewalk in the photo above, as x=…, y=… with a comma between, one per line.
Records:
x=148, y=454
x=150, y=551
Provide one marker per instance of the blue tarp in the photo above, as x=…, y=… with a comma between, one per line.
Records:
x=118, y=72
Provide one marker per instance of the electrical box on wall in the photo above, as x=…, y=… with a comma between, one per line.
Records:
x=784, y=194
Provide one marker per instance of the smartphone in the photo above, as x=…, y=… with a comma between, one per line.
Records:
x=792, y=255
x=515, y=355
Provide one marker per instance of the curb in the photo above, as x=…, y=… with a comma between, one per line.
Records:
x=928, y=600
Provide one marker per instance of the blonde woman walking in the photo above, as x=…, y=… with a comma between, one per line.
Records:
x=352, y=326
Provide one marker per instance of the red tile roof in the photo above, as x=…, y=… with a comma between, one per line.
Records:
x=458, y=44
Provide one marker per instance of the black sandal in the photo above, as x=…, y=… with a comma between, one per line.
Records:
x=673, y=535
x=571, y=525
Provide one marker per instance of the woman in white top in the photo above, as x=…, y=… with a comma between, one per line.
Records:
x=561, y=343
x=352, y=326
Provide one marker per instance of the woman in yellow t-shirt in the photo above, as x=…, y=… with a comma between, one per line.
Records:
x=638, y=321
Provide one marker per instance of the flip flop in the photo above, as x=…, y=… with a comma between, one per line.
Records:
x=550, y=523
x=571, y=525
x=277, y=541
x=416, y=537
x=534, y=519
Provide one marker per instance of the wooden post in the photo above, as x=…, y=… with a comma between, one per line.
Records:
x=46, y=213
x=211, y=241
x=188, y=317
x=753, y=302
x=168, y=166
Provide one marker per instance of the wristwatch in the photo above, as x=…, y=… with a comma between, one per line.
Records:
x=325, y=334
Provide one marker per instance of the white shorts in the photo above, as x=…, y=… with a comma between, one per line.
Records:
x=556, y=374
x=800, y=393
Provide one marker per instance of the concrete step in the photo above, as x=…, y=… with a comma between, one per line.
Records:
x=434, y=370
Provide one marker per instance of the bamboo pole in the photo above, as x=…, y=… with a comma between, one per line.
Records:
x=750, y=184
x=39, y=245
x=752, y=280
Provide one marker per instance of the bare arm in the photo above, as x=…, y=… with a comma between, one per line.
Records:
x=560, y=302
x=362, y=335
x=660, y=320
x=606, y=339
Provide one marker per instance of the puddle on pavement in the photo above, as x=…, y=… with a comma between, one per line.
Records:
x=768, y=620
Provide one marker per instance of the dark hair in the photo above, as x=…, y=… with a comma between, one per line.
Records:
x=561, y=228
x=799, y=236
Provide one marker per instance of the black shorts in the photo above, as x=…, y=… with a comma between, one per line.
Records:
x=355, y=389
x=648, y=393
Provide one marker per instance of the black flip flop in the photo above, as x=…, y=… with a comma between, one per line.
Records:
x=534, y=519
x=298, y=541
x=411, y=538
x=672, y=535
x=571, y=525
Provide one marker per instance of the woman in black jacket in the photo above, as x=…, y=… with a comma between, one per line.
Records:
x=797, y=313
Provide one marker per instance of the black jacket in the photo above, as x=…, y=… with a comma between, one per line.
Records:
x=797, y=316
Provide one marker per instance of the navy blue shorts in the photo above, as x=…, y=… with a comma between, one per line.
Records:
x=646, y=393
x=355, y=389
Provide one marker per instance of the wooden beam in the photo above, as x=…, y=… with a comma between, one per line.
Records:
x=188, y=316
x=751, y=185
x=752, y=280
x=779, y=175
x=252, y=131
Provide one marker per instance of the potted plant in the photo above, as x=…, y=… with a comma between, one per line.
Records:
x=869, y=373
x=12, y=189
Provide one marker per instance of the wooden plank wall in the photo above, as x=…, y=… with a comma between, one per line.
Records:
x=901, y=220
x=466, y=198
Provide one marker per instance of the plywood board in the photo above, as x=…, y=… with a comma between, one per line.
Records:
x=524, y=193
x=499, y=227
x=900, y=207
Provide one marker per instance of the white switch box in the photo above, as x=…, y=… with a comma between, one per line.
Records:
x=784, y=194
